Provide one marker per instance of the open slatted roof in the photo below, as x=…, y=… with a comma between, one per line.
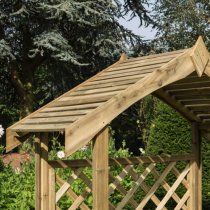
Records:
x=176, y=77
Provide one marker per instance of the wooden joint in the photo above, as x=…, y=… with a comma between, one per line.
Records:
x=123, y=57
x=14, y=139
x=199, y=56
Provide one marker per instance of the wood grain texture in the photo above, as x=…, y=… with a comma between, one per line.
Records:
x=155, y=186
x=104, y=96
x=37, y=172
x=122, y=161
x=196, y=170
x=200, y=56
x=14, y=143
x=169, y=99
x=100, y=117
x=44, y=172
x=52, y=195
x=100, y=171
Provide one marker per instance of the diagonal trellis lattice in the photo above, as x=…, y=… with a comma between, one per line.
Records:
x=133, y=183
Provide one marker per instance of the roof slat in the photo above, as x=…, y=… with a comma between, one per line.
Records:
x=63, y=113
x=76, y=100
x=195, y=84
x=71, y=107
x=57, y=119
x=174, y=53
x=40, y=128
x=101, y=81
x=195, y=101
x=169, y=99
x=100, y=90
x=190, y=91
x=141, y=64
x=122, y=75
x=192, y=97
x=145, y=69
x=110, y=84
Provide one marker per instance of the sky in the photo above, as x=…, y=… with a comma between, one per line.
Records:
x=145, y=32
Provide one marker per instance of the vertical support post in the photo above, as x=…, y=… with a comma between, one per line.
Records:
x=52, y=202
x=42, y=172
x=100, y=171
x=37, y=173
x=196, y=170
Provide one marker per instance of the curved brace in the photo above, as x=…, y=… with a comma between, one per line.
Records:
x=82, y=131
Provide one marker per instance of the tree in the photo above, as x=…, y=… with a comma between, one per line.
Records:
x=179, y=23
x=46, y=47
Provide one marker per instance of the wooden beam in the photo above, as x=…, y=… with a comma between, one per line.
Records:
x=52, y=194
x=166, y=97
x=121, y=161
x=93, y=122
x=44, y=172
x=14, y=139
x=196, y=170
x=159, y=55
x=37, y=173
x=143, y=63
x=100, y=171
x=199, y=56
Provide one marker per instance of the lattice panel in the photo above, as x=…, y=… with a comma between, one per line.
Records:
x=139, y=186
x=78, y=197
x=151, y=186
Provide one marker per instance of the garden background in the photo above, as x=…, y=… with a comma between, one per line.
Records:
x=48, y=47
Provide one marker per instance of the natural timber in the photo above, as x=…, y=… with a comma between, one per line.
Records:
x=100, y=171
x=196, y=170
x=121, y=161
x=52, y=195
x=44, y=172
x=200, y=56
x=37, y=172
x=97, y=119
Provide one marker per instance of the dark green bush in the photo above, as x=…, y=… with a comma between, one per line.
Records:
x=171, y=134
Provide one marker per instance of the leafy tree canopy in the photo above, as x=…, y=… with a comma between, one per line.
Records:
x=46, y=47
x=181, y=22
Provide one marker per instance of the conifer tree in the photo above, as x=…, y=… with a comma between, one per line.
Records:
x=46, y=47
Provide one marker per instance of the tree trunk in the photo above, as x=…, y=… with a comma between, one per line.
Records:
x=24, y=90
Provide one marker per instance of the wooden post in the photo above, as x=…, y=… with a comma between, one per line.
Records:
x=52, y=194
x=100, y=171
x=196, y=170
x=42, y=172
x=37, y=173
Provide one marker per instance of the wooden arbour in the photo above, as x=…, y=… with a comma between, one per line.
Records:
x=179, y=78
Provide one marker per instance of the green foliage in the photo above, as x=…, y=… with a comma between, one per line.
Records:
x=179, y=23
x=133, y=124
x=17, y=187
x=171, y=134
x=48, y=47
x=206, y=172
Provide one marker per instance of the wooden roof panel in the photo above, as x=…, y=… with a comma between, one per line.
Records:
x=87, y=108
x=152, y=56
